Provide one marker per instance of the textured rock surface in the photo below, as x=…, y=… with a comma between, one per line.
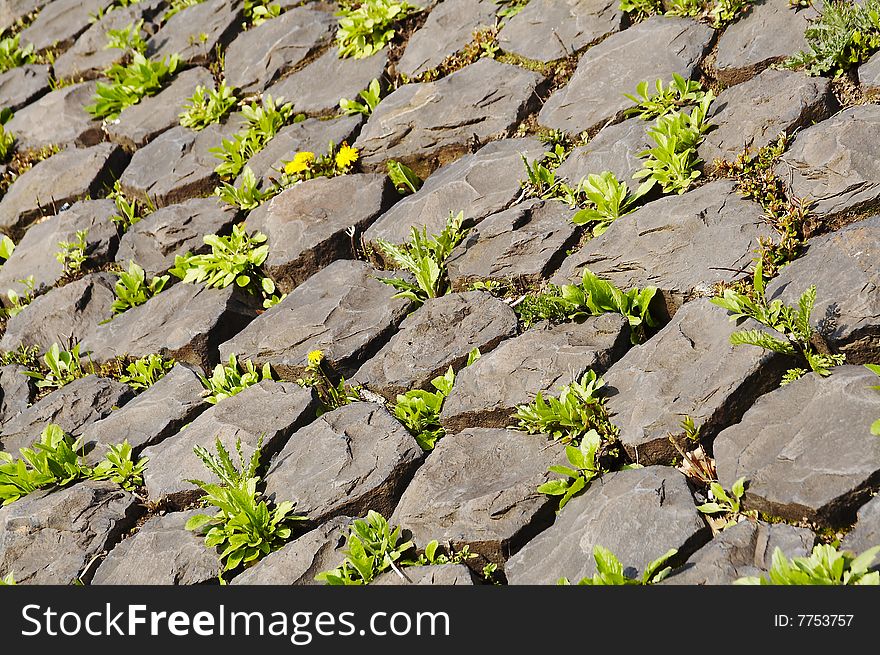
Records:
x=308, y=224
x=867, y=531
x=22, y=85
x=845, y=267
x=837, y=164
x=439, y=335
x=443, y=574
x=429, y=124
x=161, y=552
x=51, y=537
x=540, y=360
x=60, y=22
x=614, y=148
x=745, y=549
x=351, y=460
x=478, y=487
x=183, y=33
x=16, y=392
x=522, y=244
x=689, y=368
x=270, y=411
x=782, y=448
x=478, y=184
x=186, y=322
x=638, y=515
x=551, y=29
x=869, y=76
x=342, y=311
x=655, y=48
x=680, y=244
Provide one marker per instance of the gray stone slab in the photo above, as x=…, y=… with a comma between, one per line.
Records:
x=161, y=552
x=12, y=11
x=806, y=449
x=442, y=574
x=546, y=30
x=638, y=515
x=869, y=76
x=438, y=335
x=615, y=148
x=60, y=22
x=653, y=49
x=271, y=410
x=16, y=392
x=429, y=124
x=217, y=20
x=540, y=360
x=866, y=534
x=22, y=85
x=342, y=311
x=57, y=118
x=479, y=488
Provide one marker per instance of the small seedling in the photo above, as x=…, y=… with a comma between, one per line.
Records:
x=609, y=570
x=664, y=100
x=608, y=199
x=7, y=580
x=247, y=196
x=118, y=466
x=207, y=106
x=7, y=139
x=726, y=503
x=146, y=371
x=13, y=56
x=130, y=83
x=72, y=254
x=366, y=27
x=18, y=301
x=63, y=368
x=7, y=247
x=233, y=259
x=510, y=8
x=232, y=378
x=127, y=39
x=641, y=8
x=263, y=123
x=133, y=289
x=370, y=96
x=826, y=565
x=403, y=178
x=585, y=467
x=175, y=6
x=129, y=212
x=875, y=426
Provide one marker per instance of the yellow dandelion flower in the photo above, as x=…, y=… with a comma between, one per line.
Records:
x=316, y=357
x=346, y=156
x=300, y=162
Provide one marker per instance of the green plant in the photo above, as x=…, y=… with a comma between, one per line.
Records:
x=370, y=96
x=586, y=467
x=130, y=83
x=53, y=462
x=245, y=527
x=845, y=33
x=18, y=301
x=259, y=11
x=234, y=258
x=434, y=556
x=306, y=166
x=542, y=182
x=723, y=502
x=207, y=106
x=641, y=8
x=403, y=178
x=826, y=565
x=64, y=366
x=7, y=247
x=332, y=396
x=791, y=323
x=13, y=56
x=365, y=27
x=128, y=211
x=609, y=570
x=7, y=580
x=419, y=410
x=723, y=12
x=175, y=6
x=263, y=122
x=72, y=254
x=875, y=426
x=118, y=466
x=229, y=379
x=609, y=200
x=128, y=38
x=146, y=371
x=684, y=8
x=372, y=547
x=425, y=258
x=247, y=196
x=132, y=288
x=578, y=410
x=7, y=139
x=664, y=100
x=510, y=8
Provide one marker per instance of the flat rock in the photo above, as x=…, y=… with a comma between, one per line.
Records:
x=12, y=11
x=438, y=335
x=351, y=460
x=16, y=392
x=195, y=32
x=63, y=315
x=479, y=488
x=155, y=414
x=680, y=244
x=615, y=148
x=478, y=185
x=342, y=311
x=869, y=76
x=176, y=165
x=299, y=561
x=523, y=244
x=688, y=368
x=447, y=30
x=271, y=410
x=845, y=267
x=768, y=33
x=154, y=241
x=60, y=22
x=22, y=85
x=655, y=48
x=308, y=224
x=317, y=87
x=75, y=173
x=35, y=253
x=161, y=552
x=752, y=114
x=743, y=550
x=186, y=322
x=866, y=534
x=429, y=124
x=260, y=55
x=836, y=164
x=438, y=574
x=549, y=29
x=141, y=123
x=73, y=407
x=540, y=360
x=638, y=515
x=50, y=537
x=782, y=448
x=58, y=118
x=310, y=135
